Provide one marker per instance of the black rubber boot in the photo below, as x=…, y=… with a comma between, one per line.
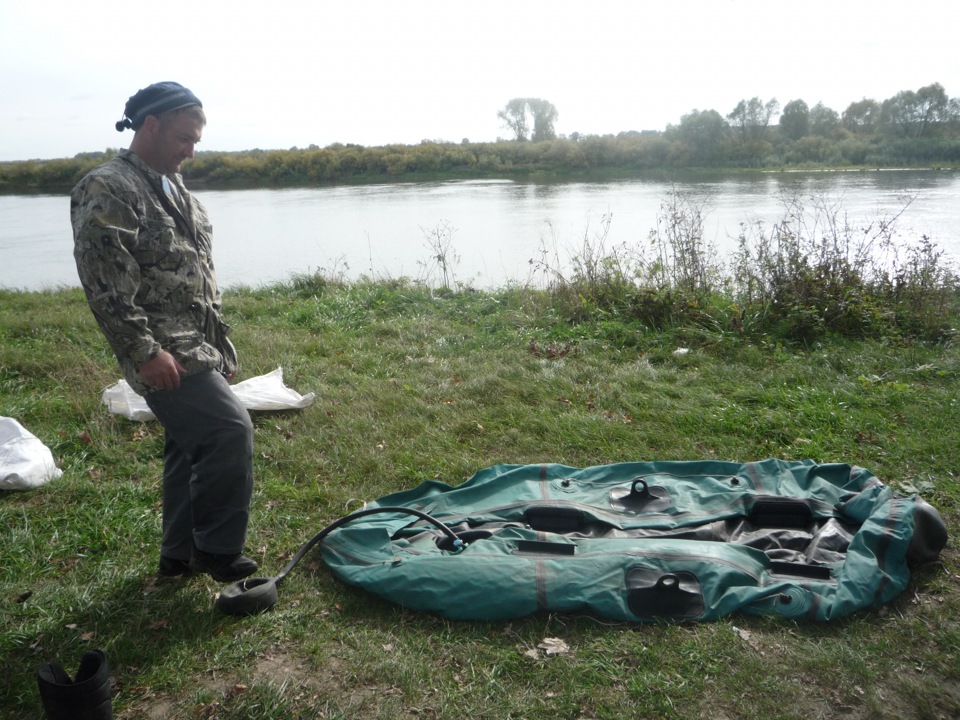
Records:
x=86, y=697
x=222, y=568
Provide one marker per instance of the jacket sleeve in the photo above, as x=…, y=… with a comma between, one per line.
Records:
x=105, y=230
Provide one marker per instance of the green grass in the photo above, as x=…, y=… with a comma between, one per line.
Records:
x=414, y=385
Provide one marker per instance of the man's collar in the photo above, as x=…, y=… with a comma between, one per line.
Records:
x=131, y=157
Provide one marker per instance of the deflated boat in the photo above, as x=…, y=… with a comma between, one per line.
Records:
x=644, y=541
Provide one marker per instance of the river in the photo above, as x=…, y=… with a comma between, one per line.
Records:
x=491, y=230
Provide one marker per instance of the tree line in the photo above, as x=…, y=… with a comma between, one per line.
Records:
x=911, y=129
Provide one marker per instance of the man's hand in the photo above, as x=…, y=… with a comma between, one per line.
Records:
x=162, y=371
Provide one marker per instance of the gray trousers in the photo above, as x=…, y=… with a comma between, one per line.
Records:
x=207, y=466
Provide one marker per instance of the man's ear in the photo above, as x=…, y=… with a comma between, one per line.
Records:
x=151, y=124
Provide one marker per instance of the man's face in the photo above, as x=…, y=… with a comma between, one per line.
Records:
x=174, y=140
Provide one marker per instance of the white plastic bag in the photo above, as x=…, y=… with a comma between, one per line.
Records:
x=267, y=392
x=120, y=399
x=25, y=462
x=264, y=392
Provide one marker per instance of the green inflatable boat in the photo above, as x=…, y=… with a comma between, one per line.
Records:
x=644, y=541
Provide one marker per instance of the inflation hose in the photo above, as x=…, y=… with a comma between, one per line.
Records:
x=253, y=595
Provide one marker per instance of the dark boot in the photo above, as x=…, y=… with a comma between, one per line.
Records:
x=222, y=568
x=86, y=697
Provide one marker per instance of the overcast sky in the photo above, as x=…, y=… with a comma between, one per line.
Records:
x=285, y=73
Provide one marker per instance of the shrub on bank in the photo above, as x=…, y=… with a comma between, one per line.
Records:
x=810, y=274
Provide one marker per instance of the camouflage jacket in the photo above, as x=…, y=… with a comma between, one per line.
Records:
x=145, y=264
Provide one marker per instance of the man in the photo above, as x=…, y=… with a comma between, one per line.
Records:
x=143, y=249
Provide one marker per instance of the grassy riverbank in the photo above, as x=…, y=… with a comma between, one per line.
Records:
x=416, y=385
x=590, y=159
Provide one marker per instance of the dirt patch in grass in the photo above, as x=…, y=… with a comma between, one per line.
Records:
x=286, y=674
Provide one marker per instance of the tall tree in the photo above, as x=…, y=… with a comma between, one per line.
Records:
x=795, y=120
x=751, y=118
x=519, y=113
x=917, y=114
x=953, y=115
x=926, y=111
x=544, y=116
x=703, y=134
x=823, y=120
x=933, y=108
x=514, y=116
x=749, y=121
x=862, y=117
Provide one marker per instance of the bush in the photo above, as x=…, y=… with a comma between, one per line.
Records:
x=812, y=273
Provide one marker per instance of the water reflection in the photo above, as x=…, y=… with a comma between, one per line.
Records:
x=498, y=226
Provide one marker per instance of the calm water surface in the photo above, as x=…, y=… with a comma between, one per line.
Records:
x=495, y=228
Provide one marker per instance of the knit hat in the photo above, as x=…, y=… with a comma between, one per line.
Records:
x=153, y=100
